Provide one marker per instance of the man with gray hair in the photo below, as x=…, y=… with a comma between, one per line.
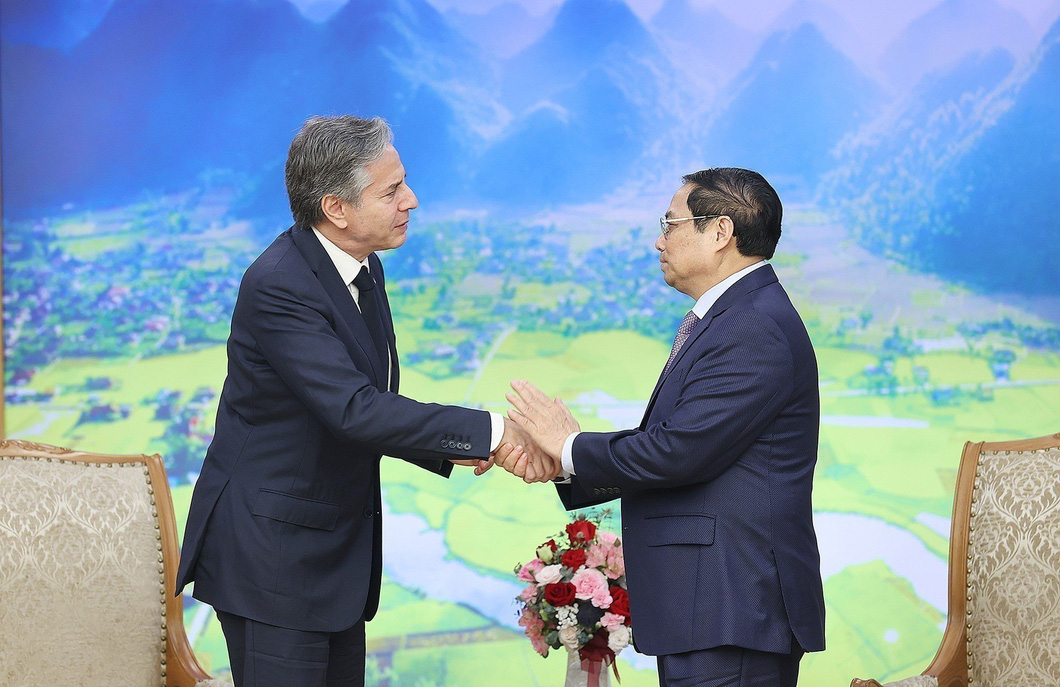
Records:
x=283, y=537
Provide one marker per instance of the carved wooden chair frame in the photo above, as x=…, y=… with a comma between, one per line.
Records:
x=950, y=665
x=180, y=667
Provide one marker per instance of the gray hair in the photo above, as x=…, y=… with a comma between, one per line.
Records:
x=329, y=156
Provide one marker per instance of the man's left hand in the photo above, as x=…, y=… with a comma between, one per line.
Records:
x=548, y=422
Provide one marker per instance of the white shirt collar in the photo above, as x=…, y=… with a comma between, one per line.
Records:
x=347, y=265
x=707, y=300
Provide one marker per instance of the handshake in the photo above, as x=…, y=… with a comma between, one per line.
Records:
x=534, y=433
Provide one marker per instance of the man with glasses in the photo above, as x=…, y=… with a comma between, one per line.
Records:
x=721, y=556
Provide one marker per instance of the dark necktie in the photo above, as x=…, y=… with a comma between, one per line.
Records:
x=370, y=311
x=683, y=332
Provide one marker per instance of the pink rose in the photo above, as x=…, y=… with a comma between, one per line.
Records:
x=612, y=620
x=529, y=595
x=602, y=598
x=527, y=572
x=607, y=539
x=588, y=582
x=549, y=574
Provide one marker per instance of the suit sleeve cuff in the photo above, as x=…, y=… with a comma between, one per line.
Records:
x=567, y=456
x=496, y=430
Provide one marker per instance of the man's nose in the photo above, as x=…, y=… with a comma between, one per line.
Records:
x=411, y=202
x=660, y=243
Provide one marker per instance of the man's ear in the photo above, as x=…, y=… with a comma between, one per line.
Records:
x=724, y=230
x=333, y=209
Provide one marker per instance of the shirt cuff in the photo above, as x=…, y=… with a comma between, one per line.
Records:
x=567, y=457
x=496, y=430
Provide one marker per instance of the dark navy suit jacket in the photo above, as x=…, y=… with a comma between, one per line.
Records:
x=715, y=484
x=284, y=526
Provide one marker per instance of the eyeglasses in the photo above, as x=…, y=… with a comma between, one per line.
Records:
x=668, y=224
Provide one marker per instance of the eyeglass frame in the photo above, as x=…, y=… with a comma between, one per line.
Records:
x=665, y=222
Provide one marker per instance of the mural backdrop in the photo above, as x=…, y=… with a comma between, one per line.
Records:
x=915, y=144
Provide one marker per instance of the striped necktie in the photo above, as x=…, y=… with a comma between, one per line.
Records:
x=683, y=331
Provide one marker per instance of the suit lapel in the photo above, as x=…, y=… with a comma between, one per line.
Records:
x=750, y=282
x=700, y=327
x=340, y=296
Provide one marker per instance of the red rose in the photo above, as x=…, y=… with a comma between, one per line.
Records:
x=559, y=593
x=581, y=532
x=619, y=602
x=551, y=543
x=573, y=559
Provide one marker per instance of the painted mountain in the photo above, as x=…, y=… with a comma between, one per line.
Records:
x=1002, y=187
x=949, y=31
x=164, y=90
x=836, y=30
x=954, y=184
x=54, y=24
x=703, y=42
x=504, y=29
x=588, y=97
x=793, y=104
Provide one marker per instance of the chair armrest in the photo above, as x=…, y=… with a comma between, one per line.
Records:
x=182, y=668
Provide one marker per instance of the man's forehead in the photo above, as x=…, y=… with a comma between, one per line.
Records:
x=387, y=170
x=680, y=199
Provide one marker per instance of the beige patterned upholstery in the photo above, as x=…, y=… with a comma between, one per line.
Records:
x=918, y=681
x=1003, y=628
x=83, y=572
x=1014, y=570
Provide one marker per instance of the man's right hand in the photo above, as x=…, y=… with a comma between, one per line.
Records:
x=519, y=455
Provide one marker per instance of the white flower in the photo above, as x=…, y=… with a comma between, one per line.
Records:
x=566, y=616
x=617, y=639
x=568, y=637
x=546, y=554
x=549, y=574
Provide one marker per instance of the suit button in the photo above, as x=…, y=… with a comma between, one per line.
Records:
x=367, y=512
x=445, y=443
x=596, y=491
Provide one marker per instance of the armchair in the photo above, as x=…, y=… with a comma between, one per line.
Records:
x=1003, y=625
x=88, y=561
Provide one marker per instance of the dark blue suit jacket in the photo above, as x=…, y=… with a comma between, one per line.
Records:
x=284, y=526
x=715, y=484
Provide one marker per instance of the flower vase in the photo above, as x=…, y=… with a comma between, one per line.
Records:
x=596, y=676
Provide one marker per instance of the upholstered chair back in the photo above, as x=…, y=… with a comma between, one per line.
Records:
x=1013, y=609
x=82, y=584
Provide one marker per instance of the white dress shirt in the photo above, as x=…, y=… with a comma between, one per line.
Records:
x=705, y=302
x=349, y=267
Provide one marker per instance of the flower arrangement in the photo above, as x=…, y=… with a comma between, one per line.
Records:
x=576, y=595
